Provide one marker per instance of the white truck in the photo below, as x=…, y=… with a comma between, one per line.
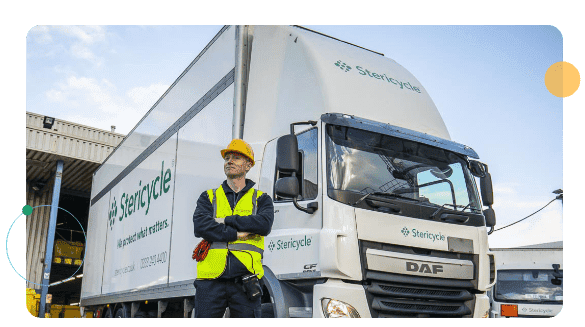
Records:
x=526, y=285
x=385, y=218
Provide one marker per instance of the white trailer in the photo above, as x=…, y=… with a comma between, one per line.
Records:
x=525, y=284
x=386, y=219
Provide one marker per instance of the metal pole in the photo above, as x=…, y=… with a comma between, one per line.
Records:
x=240, y=81
x=51, y=238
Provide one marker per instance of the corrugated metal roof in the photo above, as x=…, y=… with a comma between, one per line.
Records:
x=551, y=245
x=82, y=149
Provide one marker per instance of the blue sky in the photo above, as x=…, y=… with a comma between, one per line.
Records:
x=487, y=82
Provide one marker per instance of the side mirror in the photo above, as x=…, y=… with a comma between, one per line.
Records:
x=287, y=187
x=557, y=274
x=287, y=154
x=490, y=217
x=487, y=192
x=287, y=162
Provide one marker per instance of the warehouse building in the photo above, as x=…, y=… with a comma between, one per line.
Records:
x=81, y=149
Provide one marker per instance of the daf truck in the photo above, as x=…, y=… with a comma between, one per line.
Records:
x=376, y=210
x=527, y=282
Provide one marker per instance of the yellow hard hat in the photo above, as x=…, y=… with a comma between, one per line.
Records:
x=239, y=146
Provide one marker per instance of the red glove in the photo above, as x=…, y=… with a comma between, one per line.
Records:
x=201, y=251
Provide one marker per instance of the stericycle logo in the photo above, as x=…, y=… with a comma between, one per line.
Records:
x=418, y=234
x=342, y=66
x=291, y=244
x=537, y=310
x=380, y=76
x=143, y=196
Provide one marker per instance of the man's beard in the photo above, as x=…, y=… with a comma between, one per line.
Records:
x=234, y=175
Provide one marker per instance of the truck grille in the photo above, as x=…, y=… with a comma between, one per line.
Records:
x=431, y=294
x=392, y=295
x=395, y=300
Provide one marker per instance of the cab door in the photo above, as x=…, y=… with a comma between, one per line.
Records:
x=291, y=250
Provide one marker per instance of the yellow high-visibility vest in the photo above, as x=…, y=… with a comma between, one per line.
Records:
x=249, y=252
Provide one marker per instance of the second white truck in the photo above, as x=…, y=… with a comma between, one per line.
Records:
x=526, y=285
x=386, y=219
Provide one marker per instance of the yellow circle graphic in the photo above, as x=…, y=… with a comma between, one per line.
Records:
x=562, y=79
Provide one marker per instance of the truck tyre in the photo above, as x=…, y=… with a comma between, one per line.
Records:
x=122, y=313
x=108, y=313
x=140, y=314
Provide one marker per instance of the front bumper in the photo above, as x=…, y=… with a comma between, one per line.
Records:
x=365, y=304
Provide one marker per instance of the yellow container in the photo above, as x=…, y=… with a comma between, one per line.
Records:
x=32, y=302
x=65, y=311
x=65, y=249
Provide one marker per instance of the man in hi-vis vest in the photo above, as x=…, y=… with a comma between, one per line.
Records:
x=233, y=220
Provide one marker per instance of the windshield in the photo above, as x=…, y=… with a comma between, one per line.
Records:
x=527, y=285
x=364, y=162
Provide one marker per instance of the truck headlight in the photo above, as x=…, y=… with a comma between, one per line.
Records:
x=337, y=309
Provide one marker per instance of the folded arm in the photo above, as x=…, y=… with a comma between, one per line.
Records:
x=206, y=227
x=260, y=223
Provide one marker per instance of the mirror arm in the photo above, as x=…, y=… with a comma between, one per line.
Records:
x=309, y=210
x=310, y=122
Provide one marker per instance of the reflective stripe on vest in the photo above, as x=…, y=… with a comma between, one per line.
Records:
x=236, y=247
x=248, y=252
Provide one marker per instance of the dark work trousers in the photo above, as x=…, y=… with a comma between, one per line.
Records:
x=214, y=295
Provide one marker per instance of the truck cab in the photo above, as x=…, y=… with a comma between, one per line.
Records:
x=393, y=224
x=377, y=212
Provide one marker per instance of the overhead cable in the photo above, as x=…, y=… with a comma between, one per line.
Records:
x=527, y=216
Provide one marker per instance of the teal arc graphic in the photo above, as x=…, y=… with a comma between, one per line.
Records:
x=27, y=211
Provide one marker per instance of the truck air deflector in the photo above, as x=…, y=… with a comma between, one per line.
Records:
x=395, y=131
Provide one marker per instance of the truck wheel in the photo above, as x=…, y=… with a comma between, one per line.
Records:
x=140, y=314
x=109, y=313
x=121, y=313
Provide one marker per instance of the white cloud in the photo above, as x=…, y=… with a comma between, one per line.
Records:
x=108, y=83
x=84, y=34
x=55, y=95
x=518, y=203
x=106, y=103
x=545, y=226
x=147, y=96
x=80, y=42
x=83, y=52
x=511, y=206
x=505, y=189
x=40, y=34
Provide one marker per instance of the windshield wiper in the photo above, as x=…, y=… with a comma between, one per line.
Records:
x=450, y=217
x=394, y=195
